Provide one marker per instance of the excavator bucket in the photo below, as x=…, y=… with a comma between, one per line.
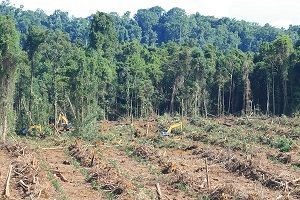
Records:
x=164, y=133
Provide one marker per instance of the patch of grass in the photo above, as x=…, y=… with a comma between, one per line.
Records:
x=274, y=159
x=183, y=187
x=296, y=167
x=283, y=144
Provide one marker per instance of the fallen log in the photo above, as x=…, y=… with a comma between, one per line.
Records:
x=7, y=192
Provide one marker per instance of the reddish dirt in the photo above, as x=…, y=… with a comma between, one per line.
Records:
x=76, y=187
x=192, y=167
x=180, y=169
x=189, y=162
x=5, y=161
x=140, y=175
x=7, y=158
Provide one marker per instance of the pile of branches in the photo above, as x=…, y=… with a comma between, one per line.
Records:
x=145, y=152
x=85, y=156
x=230, y=192
x=101, y=174
x=15, y=150
x=24, y=174
x=249, y=170
x=108, y=179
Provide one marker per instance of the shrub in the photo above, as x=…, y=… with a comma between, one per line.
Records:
x=283, y=144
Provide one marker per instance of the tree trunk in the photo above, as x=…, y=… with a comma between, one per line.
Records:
x=247, y=91
x=223, y=102
x=31, y=90
x=3, y=105
x=219, y=100
x=5, y=128
x=205, y=107
x=172, y=98
x=268, y=99
x=195, y=105
x=273, y=93
x=128, y=100
x=284, y=96
x=230, y=92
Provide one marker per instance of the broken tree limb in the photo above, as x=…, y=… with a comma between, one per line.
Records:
x=158, y=191
x=207, y=175
x=147, y=131
x=7, y=192
x=53, y=148
x=23, y=185
x=59, y=175
x=93, y=158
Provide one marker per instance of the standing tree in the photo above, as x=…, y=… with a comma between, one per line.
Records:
x=10, y=58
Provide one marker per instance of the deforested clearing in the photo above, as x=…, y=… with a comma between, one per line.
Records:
x=152, y=103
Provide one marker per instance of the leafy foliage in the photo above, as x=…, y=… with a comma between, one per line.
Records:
x=108, y=66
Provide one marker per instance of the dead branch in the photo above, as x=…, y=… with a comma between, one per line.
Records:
x=7, y=192
x=53, y=148
x=59, y=175
x=207, y=176
x=23, y=185
x=158, y=191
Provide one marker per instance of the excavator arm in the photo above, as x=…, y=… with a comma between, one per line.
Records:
x=63, y=123
x=37, y=127
x=62, y=119
x=173, y=126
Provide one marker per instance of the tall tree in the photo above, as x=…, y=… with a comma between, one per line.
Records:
x=10, y=58
x=103, y=35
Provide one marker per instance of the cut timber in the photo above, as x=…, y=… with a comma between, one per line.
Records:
x=158, y=191
x=59, y=175
x=7, y=192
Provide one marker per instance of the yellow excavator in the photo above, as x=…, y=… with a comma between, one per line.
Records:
x=36, y=127
x=31, y=129
x=63, y=123
x=173, y=126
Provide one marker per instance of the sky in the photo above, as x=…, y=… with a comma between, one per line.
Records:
x=279, y=13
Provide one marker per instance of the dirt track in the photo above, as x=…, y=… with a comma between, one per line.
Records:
x=75, y=186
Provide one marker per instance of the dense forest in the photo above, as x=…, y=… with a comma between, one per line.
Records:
x=108, y=66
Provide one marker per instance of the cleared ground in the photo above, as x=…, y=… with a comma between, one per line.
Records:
x=220, y=158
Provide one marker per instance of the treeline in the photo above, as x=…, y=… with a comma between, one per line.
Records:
x=108, y=67
x=156, y=26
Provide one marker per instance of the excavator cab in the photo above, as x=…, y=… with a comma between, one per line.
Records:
x=173, y=126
